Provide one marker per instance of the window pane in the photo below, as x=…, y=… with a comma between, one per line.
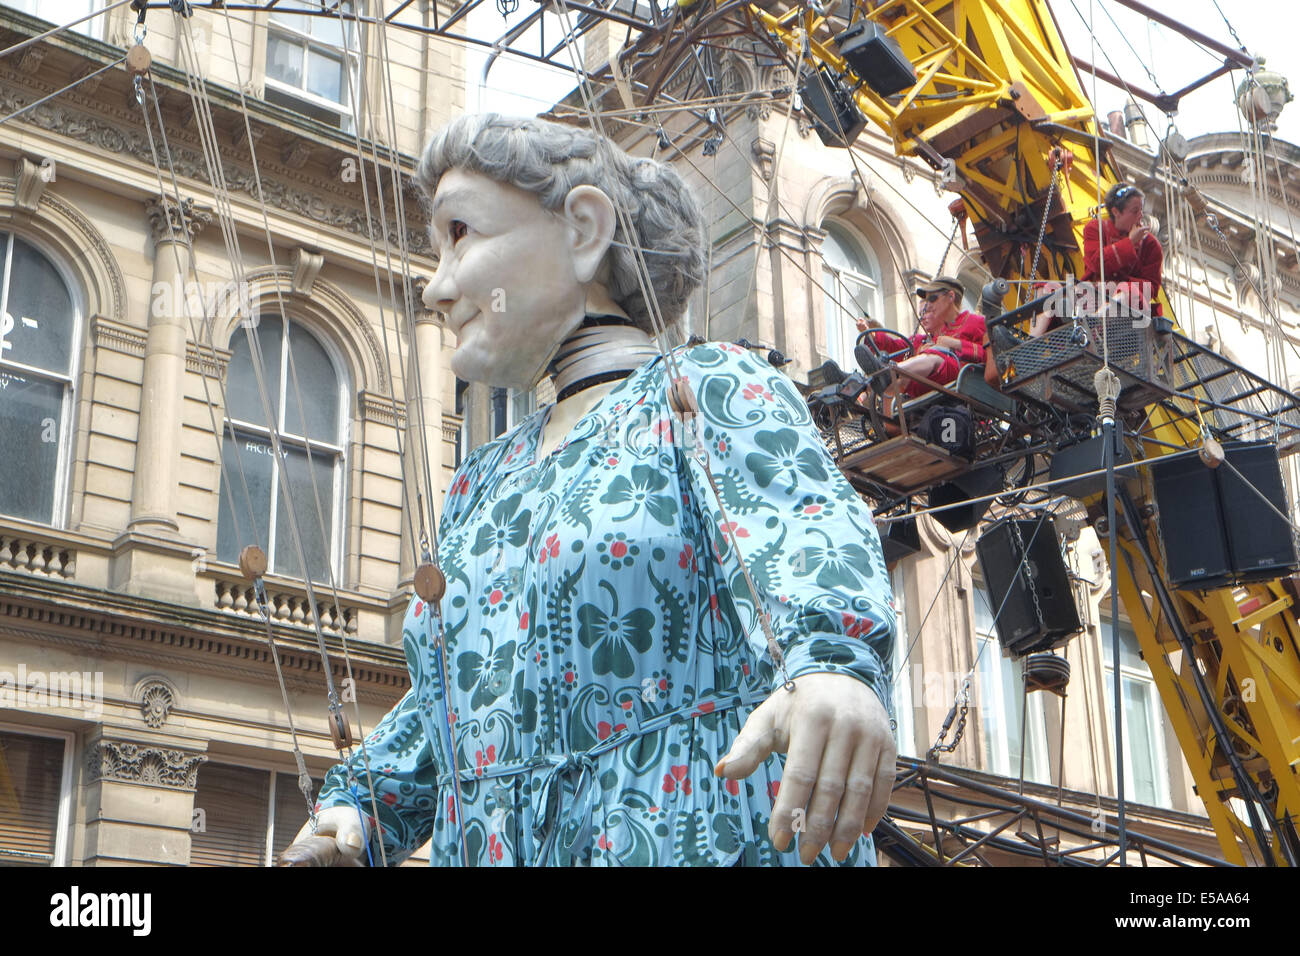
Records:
x=316, y=546
x=37, y=329
x=329, y=29
x=296, y=21
x=319, y=386
x=1140, y=740
x=284, y=59
x=1130, y=652
x=31, y=771
x=235, y=803
x=243, y=402
x=234, y=532
x=325, y=75
x=31, y=420
x=987, y=692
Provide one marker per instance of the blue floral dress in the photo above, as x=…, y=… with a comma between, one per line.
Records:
x=602, y=646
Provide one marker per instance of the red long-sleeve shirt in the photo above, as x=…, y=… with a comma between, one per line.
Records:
x=968, y=327
x=1124, y=263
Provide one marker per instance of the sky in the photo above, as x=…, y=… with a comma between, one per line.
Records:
x=1267, y=28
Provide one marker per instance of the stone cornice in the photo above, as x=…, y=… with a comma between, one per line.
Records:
x=117, y=337
x=381, y=409
x=99, y=623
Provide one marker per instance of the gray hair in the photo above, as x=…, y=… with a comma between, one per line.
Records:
x=549, y=159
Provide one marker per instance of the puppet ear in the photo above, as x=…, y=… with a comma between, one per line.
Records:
x=591, y=217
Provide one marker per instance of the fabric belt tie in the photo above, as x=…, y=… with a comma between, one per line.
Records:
x=562, y=825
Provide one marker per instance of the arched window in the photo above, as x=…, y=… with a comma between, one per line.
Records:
x=40, y=320
x=851, y=280
x=313, y=442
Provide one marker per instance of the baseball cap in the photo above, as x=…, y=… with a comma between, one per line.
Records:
x=941, y=284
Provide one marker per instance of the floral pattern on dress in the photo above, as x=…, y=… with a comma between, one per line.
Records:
x=602, y=647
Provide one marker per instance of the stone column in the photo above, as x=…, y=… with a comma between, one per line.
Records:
x=148, y=558
x=153, y=498
x=139, y=803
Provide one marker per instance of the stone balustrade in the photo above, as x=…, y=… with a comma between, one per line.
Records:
x=31, y=555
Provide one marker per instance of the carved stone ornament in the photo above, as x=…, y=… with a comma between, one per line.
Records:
x=143, y=763
x=32, y=179
x=156, y=699
x=167, y=220
x=765, y=153
x=306, y=267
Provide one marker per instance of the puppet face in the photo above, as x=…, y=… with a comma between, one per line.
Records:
x=507, y=281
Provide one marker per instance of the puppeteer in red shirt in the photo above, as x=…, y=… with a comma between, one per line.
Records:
x=1136, y=269
x=968, y=327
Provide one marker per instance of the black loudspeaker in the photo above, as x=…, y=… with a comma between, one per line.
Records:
x=1215, y=524
x=1191, y=523
x=899, y=539
x=1026, y=625
x=876, y=58
x=1082, y=458
x=964, y=515
x=832, y=107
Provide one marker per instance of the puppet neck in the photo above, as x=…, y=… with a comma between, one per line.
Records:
x=603, y=348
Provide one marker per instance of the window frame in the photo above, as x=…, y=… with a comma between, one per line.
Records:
x=905, y=731
x=351, y=58
x=845, y=237
x=995, y=749
x=63, y=467
x=339, y=453
x=1159, y=757
x=62, y=836
x=273, y=768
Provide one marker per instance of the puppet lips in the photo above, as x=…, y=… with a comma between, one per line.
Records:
x=456, y=328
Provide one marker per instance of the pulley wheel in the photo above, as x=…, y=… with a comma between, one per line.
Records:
x=429, y=583
x=252, y=562
x=340, y=730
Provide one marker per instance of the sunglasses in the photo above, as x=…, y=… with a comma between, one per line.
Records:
x=934, y=296
x=1123, y=193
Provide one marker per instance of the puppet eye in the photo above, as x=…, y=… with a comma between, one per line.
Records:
x=458, y=230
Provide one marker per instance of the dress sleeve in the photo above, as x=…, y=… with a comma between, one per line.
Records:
x=404, y=775
x=808, y=540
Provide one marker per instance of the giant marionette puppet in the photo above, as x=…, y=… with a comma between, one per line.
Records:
x=666, y=629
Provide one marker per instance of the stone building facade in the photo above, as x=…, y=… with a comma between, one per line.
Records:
x=142, y=721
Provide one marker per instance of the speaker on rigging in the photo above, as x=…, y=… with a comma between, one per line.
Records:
x=1219, y=526
x=877, y=58
x=835, y=115
x=1028, y=585
x=963, y=513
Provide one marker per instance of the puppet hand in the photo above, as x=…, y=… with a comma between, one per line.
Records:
x=839, y=769
x=339, y=840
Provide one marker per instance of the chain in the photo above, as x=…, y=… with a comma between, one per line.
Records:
x=962, y=702
x=1033, y=590
x=1042, y=227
